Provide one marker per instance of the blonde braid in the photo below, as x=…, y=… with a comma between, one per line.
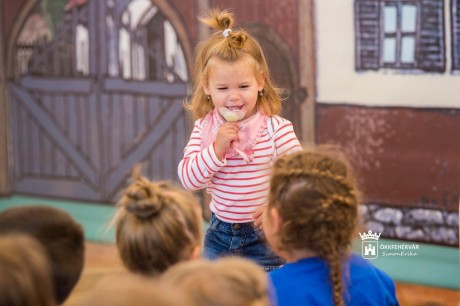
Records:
x=335, y=273
x=317, y=199
x=338, y=199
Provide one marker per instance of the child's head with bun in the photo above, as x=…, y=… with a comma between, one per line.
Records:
x=157, y=225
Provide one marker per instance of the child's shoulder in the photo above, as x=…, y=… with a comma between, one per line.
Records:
x=278, y=120
x=203, y=120
x=363, y=266
x=275, y=122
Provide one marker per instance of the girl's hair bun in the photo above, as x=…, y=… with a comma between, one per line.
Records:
x=220, y=20
x=142, y=198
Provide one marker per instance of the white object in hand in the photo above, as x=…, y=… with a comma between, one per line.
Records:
x=231, y=115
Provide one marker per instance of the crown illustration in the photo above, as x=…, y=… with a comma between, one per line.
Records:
x=370, y=235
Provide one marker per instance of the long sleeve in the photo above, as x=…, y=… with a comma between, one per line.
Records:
x=198, y=165
x=285, y=139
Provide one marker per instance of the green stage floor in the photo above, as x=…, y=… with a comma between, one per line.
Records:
x=432, y=265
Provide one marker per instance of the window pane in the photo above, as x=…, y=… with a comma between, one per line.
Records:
x=82, y=49
x=389, y=19
x=389, y=50
x=409, y=18
x=407, y=49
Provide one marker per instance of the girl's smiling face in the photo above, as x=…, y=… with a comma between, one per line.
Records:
x=234, y=85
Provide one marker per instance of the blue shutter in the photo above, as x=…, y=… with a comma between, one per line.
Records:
x=367, y=34
x=455, y=34
x=431, y=55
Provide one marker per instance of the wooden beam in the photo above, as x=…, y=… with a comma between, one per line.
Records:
x=4, y=120
x=202, y=10
x=307, y=69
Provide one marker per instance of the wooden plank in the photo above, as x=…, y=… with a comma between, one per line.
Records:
x=141, y=150
x=60, y=187
x=145, y=87
x=54, y=132
x=15, y=120
x=57, y=85
x=102, y=39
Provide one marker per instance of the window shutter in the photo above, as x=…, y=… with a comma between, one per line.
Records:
x=367, y=34
x=431, y=46
x=455, y=34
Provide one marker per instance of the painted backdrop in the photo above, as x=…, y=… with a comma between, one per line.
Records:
x=89, y=88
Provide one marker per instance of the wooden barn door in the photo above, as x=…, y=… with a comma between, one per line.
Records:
x=104, y=94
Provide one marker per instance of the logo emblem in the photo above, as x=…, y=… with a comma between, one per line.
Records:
x=370, y=244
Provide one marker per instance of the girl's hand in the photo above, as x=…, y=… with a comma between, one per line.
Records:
x=258, y=216
x=227, y=133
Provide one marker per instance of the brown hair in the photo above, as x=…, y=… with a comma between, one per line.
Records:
x=229, y=281
x=235, y=46
x=61, y=236
x=25, y=272
x=157, y=225
x=317, y=199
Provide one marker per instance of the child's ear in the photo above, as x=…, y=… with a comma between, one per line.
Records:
x=196, y=252
x=261, y=82
x=205, y=86
x=276, y=219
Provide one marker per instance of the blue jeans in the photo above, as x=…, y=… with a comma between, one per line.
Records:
x=239, y=239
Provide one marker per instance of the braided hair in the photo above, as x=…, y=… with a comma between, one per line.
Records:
x=317, y=199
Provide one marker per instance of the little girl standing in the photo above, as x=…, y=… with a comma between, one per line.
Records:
x=235, y=140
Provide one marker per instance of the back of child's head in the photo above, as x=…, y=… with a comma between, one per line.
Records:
x=25, y=276
x=157, y=225
x=229, y=281
x=316, y=196
x=129, y=289
x=61, y=236
x=230, y=44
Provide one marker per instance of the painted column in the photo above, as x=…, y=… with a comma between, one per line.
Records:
x=203, y=8
x=203, y=33
x=307, y=69
x=4, y=120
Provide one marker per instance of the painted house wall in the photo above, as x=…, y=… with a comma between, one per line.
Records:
x=401, y=128
x=338, y=82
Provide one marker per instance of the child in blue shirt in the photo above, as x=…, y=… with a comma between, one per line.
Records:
x=310, y=221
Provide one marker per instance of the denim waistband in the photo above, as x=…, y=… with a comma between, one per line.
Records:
x=235, y=228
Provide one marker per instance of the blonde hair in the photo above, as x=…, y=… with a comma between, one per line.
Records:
x=129, y=289
x=25, y=272
x=235, y=45
x=157, y=225
x=229, y=281
x=317, y=199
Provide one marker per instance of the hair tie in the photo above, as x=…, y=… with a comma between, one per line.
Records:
x=226, y=32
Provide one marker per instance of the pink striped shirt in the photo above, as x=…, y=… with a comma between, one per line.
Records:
x=237, y=188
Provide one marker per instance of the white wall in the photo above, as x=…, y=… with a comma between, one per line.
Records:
x=338, y=82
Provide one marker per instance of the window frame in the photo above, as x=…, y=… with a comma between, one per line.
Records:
x=430, y=38
x=399, y=34
x=455, y=35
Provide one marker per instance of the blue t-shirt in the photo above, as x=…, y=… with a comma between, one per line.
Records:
x=306, y=282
